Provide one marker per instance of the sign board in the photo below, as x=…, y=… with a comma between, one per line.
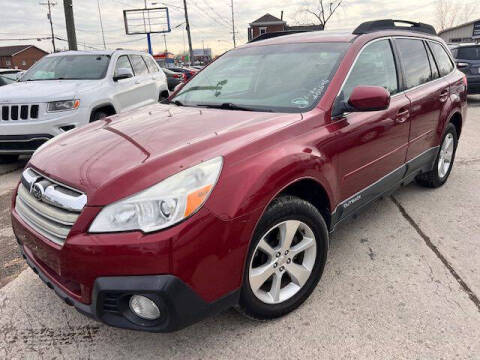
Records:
x=146, y=21
x=476, y=30
x=202, y=52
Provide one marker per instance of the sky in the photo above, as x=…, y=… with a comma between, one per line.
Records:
x=210, y=20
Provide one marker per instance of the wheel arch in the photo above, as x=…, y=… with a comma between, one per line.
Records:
x=457, y=120
x=107, y=107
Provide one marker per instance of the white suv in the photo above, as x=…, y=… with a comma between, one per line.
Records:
x=70, y=89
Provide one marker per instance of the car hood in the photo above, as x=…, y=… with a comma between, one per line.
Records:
x=134, y=150
x=42, y=90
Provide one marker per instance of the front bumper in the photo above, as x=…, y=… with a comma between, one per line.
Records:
x=25, y=136
x=179, y=305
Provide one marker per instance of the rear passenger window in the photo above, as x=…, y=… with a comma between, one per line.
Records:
x=123, y=63
x=415, y=61
x=433, y=65
x=375, y=66
x=152, y=65
x=445, y=65
x=138, y=65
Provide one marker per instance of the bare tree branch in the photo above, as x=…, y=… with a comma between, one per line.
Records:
x=450, y=13
x=323, y=11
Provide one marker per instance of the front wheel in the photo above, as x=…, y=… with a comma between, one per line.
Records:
x=286, y=259
x=444, y=161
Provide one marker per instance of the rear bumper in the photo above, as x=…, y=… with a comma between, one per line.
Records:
x=179, y=305
x=473, y=84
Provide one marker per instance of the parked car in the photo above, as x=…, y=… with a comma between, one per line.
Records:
x=174, y=78
x=10, y=73
x=5, y=80
x=155, y=219
x=188, y=72
x=467, y=57
x=67, y=90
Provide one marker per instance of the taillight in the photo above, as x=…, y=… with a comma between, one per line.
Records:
x=184, y=77
x=465, y=81
x=177, y=76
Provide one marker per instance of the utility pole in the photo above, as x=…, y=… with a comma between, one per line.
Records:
x=149, y=39
x=233, y=27
x=70, y=22
x=165, y=40
x=50, y=4
x=187, y=27
x=101, y=24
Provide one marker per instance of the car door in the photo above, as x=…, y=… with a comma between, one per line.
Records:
x=373, y=145
x=158, y=77
x=427, y=93
x=125, y=90
x=145, y=85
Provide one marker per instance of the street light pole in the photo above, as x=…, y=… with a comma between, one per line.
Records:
x=50, y=4
x=233, y=27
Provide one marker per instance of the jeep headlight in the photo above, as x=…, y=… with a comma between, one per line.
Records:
x=162, y=205
x=63, y=105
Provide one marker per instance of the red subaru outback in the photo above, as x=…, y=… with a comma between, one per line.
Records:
x=159, y=217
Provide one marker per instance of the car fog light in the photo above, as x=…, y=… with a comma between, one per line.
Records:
x=144, y=307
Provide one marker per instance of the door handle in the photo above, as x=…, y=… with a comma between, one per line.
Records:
x=444, y=95
x=402, y=116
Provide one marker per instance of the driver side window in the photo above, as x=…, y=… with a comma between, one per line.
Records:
x=375, y=66
x=123, y=63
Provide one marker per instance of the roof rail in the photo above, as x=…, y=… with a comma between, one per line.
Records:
x=389, y=24
x=275, y=34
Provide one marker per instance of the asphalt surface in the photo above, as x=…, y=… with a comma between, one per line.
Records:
x=402, y=282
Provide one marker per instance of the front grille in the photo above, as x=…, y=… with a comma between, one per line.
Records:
x=19, y=112
x=49, y=208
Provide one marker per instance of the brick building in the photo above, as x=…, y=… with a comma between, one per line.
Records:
x=20, y=56
x=269, y=23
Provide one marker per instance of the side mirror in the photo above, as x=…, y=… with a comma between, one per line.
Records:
x=123, y=73
x=369, y=98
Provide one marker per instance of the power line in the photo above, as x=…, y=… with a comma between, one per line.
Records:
x=220, y=17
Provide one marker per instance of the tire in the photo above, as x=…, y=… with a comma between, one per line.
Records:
x=266, y=302
x=446, y=156
x=98, y=115
x=163, y=97
x=8, y=159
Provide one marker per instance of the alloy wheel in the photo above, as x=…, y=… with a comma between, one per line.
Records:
x=445, y=156
x=282, y=262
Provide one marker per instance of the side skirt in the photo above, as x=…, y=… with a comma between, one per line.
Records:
x=403, y=175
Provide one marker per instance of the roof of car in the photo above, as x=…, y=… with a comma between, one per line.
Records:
x=99, y=52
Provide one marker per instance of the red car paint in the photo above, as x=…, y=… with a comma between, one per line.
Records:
x=263, y=154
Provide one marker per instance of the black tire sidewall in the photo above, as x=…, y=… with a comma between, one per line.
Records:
x=286, y=208
x=99, y=115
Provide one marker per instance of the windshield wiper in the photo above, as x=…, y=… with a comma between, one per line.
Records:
x=231, y=106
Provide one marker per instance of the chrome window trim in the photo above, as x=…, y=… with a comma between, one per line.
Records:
x=393, y=37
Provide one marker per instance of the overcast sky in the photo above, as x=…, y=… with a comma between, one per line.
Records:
x=210, y=20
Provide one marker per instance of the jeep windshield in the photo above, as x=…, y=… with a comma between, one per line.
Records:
x=274, y=78
x=69, y=67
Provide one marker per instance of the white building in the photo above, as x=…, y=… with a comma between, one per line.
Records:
x=465, y=33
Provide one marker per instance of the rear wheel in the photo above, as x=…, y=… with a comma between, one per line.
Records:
x=286, y=259
x=444, y=161
x=8, y=159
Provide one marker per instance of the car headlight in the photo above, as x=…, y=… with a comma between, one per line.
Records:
x=162, y=205
x=63, y=105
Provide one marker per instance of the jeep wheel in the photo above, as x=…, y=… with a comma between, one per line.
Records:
x=444, y=161
x=286, y=259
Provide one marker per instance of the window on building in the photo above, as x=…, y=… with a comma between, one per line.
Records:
x=415, y=61
x=24, y=63
x=8, y=62
x=263, y=30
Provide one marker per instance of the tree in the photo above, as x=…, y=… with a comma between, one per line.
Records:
x=450, y=13
x=323, y=10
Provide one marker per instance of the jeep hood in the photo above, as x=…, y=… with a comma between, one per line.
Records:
x=42, y=90
x=124, y=154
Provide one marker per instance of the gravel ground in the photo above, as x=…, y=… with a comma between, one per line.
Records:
x=402, y=282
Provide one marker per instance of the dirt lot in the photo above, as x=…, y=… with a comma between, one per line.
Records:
x=402, y=282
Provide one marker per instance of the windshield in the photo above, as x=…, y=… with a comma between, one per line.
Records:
x=69, y=67
x=278, y=78
x=469, y=53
